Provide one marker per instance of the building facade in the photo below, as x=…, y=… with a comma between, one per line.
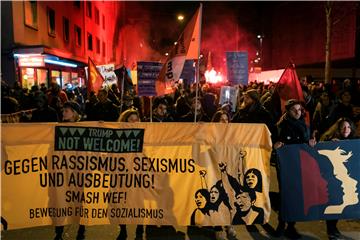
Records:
x=51, y=41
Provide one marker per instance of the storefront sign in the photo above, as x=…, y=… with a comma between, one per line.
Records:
x=37, y=61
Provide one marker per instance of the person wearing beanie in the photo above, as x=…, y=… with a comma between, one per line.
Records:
x=71, y=112
x=252, y=111
x=291, y=130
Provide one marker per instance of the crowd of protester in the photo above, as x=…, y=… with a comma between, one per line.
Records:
x=326, y=105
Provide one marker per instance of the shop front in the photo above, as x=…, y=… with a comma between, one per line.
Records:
x=43, y=69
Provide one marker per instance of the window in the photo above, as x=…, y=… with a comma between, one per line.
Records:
x=90, y=41
x=97, y=16
x=97, y=45
x=30, y=13
x=51, y=21
x=103, y=21
x=65, y=77
x=88, y=9
x=55, y=77
x=77, y=35
x=42, y=76
x=77, y=4
x=104, y=49
x=66, y=26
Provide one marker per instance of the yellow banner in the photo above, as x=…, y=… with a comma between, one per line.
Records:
x=134, y=173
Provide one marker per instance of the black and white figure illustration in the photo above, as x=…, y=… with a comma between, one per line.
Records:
x=230, y=200
x=242, y=199
x=220, y=208
x=201, y=215
x=253, y=180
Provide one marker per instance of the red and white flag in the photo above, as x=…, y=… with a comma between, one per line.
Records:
x=95, y=79
x=187, y=47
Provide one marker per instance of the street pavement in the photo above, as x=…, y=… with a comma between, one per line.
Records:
x=309, y=230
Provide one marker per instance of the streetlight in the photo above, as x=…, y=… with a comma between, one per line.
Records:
x=180, y=17
x=259, y=54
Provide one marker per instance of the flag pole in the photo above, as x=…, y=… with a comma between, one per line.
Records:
x=198, y=64
x=122, y=89
x=123, y=62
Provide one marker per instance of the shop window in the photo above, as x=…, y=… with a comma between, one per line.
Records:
x=97, y=16
x=30, y=13
x=42, y=77
x=97, y=45
x=55, y=77
x=51, y=21
x=104, y=49
x=90, y=41
x=88, y=9
x=103, y=21
x=66, y=26
x=77, y=35
x=27, y=77
x=74, y=79
x=66, y=79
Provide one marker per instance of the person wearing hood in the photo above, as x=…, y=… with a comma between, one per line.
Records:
x=252, y=111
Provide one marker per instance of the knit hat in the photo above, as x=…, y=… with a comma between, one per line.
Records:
x=290, y=103
x=253, y=94
x=74, y=106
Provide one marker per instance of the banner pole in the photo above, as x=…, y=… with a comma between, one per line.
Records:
x=198, y=64
x=151, y=106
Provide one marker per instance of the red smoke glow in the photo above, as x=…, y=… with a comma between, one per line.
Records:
x=222, y=33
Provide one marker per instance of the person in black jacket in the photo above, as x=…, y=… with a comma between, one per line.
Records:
x=160, y=112
x=200, y=114
x=291, y=130
x=252, y=111
x=43, y=113
x=105, y=110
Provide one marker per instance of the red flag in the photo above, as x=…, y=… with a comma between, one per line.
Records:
x=95, y=79
x=186, y=47
x=288, y=87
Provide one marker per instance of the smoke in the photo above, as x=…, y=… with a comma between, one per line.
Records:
x=145, y=34
x=134, y=39
x=222, y=32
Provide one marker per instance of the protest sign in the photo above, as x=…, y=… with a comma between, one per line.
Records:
x=134, y=173
x=237, y=68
